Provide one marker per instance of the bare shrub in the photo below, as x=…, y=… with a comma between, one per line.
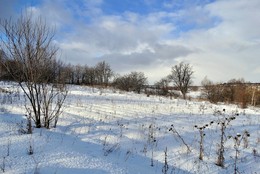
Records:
x=152, y=141
x=223, y=123
x=211, y=91
x=162, y=86
x=31, y=61
x=201, y=142
x=237, y=143
x=134, y=81
x=235, y=91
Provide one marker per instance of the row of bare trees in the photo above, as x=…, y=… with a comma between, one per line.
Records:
x=100, y=74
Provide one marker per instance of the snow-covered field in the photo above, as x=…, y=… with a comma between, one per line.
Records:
x=106, y=131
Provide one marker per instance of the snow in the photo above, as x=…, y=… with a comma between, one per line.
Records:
x=108, y=131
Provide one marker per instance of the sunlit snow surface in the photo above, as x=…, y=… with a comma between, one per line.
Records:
x=106, y=131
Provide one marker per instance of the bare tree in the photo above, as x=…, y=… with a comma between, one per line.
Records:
x=103, y=73
x=90, y=76
x=134, y=81
x=79, y=73
x=31, y=60
x=137, y=81
x=181, y=77
x=69, y=74
x=211, y=91
x=163, y=86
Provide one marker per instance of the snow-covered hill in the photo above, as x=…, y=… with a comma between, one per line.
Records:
x=106, y=131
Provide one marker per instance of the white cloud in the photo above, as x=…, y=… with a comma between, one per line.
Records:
x=132, y=38
x=56, y=14
x=230, y=49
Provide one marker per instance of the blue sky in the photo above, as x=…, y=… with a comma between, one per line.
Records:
x=220, y=39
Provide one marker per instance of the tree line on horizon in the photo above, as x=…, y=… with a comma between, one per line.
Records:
x=101, y=75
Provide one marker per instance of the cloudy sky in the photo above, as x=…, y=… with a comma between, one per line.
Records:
x=220, y=39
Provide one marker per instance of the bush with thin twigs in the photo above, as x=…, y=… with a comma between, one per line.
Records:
x=152, y=141
x=223, y=123
x=237, y=143
x=202, y=135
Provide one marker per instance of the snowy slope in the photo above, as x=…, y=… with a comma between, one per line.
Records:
x=106, y=131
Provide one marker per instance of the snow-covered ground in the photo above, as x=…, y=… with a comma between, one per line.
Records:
x=107, y=131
